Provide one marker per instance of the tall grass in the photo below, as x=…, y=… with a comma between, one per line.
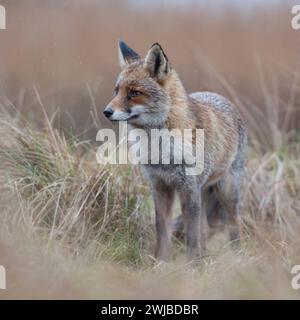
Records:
x=71, y=228
x=72, y=198
x=88, y=229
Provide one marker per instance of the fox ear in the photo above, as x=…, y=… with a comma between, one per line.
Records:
x=156, y=62
x=126, y=54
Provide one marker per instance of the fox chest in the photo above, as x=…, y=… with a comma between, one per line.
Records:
x=169, y=174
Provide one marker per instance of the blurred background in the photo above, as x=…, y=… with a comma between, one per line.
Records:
x=67, y=50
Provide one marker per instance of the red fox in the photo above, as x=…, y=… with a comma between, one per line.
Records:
x=149, y=95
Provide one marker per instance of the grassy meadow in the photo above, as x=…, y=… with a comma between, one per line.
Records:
x=71, y=228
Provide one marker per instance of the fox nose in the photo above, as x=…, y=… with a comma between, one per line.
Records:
x=108, y=111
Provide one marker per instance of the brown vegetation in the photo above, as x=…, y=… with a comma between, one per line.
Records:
x=70, y=228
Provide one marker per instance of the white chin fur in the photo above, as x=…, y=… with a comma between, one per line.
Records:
x=137, y=109
x=120, y=116
x=123, y=116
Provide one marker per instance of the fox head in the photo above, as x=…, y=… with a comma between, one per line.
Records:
x=141, y=94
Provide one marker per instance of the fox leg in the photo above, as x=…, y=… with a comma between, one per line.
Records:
x=163, y=196
x=210, y=216
x=228, y=193
x=190, y=198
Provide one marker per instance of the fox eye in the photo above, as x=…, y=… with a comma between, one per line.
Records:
x=134, y=93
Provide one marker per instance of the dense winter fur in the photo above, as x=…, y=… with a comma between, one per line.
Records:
x=150, y=95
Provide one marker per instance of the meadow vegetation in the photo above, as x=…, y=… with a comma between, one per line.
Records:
x=72, y=228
